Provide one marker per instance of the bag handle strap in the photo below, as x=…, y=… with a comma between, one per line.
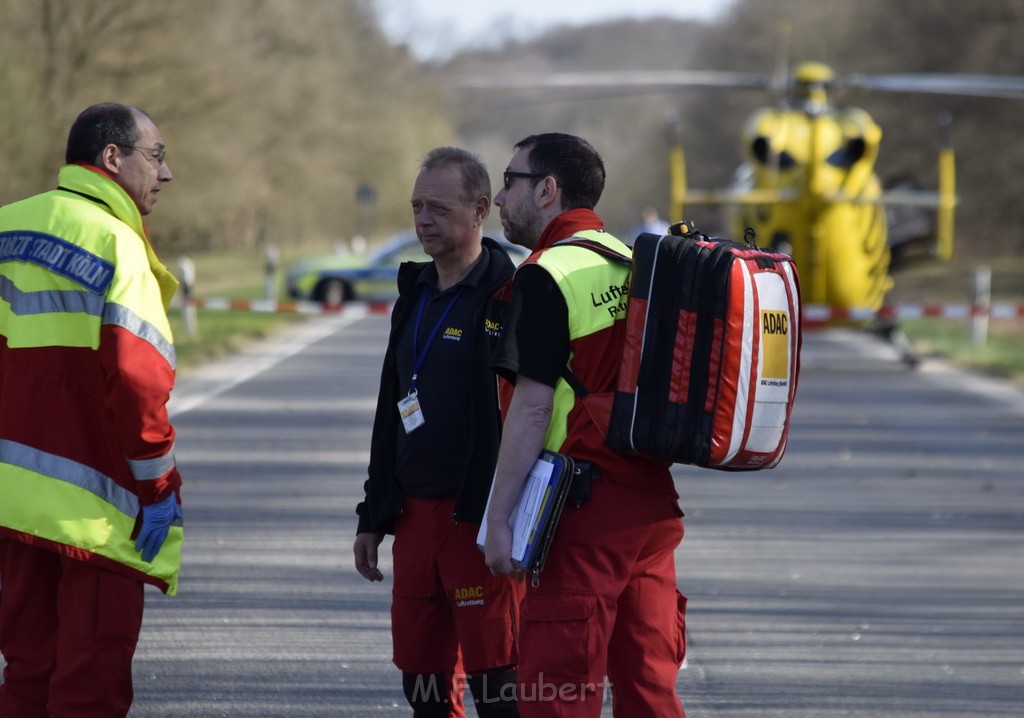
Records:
x=606, y=252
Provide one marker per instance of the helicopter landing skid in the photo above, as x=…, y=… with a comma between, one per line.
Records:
x=891, y=332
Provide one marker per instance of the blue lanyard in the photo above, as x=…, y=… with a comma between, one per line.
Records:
x=419, y=356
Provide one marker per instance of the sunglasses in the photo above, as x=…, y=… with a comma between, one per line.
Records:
x=508, y=176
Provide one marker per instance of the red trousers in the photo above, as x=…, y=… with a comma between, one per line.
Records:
x=448, y=613
x=607, y=605
x=68, y=632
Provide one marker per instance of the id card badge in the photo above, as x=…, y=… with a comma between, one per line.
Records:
x=411, y=412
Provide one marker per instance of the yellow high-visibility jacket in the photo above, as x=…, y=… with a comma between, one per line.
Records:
x=86, y=368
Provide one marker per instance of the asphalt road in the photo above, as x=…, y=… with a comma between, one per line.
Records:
x=878, y=572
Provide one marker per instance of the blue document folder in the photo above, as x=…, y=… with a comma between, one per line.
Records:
x=535, y=517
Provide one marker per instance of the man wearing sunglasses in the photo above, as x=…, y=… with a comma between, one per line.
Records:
x=606, y=603
x=89, y=508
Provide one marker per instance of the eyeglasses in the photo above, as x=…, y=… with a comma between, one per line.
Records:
x=159, y=153
x=508, y=176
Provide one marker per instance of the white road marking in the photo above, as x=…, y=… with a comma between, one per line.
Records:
x=209, y=381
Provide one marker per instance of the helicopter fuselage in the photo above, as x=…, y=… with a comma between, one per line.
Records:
x=819, y=163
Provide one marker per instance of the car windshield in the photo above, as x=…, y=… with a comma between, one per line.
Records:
x=400, y=249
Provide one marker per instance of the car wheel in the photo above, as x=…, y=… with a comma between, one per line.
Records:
x=333, y=292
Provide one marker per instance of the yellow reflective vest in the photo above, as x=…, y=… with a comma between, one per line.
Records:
x=584, y=277
x=87, y=364
x=596, y=291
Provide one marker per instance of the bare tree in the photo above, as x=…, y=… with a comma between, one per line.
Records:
x=275, y=112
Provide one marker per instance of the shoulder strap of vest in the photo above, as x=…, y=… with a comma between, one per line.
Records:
x=574, y=382
x=606, y=252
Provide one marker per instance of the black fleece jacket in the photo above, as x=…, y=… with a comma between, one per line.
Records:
x=383, y=501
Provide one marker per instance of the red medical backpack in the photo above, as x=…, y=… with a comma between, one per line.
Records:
x=709, y=368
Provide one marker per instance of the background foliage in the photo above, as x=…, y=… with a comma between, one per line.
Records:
x=277, y=111
x=274, y=111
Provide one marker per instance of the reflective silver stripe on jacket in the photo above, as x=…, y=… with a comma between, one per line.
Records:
x=48, y=301
x=69, y=301
x=72, y=472
x=121, y=316
x=150, y=469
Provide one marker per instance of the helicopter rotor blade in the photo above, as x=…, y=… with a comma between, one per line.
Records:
x=996, y=86
x=653, y=81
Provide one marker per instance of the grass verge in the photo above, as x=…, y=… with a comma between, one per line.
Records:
x=233, y=275
x=220, y=333
x=1001, y=355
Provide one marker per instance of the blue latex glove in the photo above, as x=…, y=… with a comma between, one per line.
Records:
x=156, y=522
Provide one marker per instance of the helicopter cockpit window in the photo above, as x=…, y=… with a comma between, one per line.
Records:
x=847, y=155
x=762, y=152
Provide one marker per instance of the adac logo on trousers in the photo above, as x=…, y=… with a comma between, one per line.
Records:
x=471, y=596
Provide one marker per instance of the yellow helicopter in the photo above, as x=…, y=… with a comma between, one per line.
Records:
x=808, y=187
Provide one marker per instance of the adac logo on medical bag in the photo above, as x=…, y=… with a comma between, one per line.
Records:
x=774, y=344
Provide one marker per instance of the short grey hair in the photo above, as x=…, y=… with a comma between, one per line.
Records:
x=475, y=180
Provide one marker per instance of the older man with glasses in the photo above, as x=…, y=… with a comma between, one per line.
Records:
x=89, y=507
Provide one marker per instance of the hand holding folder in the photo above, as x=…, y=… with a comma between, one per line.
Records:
x=535, y=517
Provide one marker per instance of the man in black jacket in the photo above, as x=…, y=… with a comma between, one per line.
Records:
x=435, y=442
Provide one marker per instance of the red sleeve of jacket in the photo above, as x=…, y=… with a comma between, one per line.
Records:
x=139, y=382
